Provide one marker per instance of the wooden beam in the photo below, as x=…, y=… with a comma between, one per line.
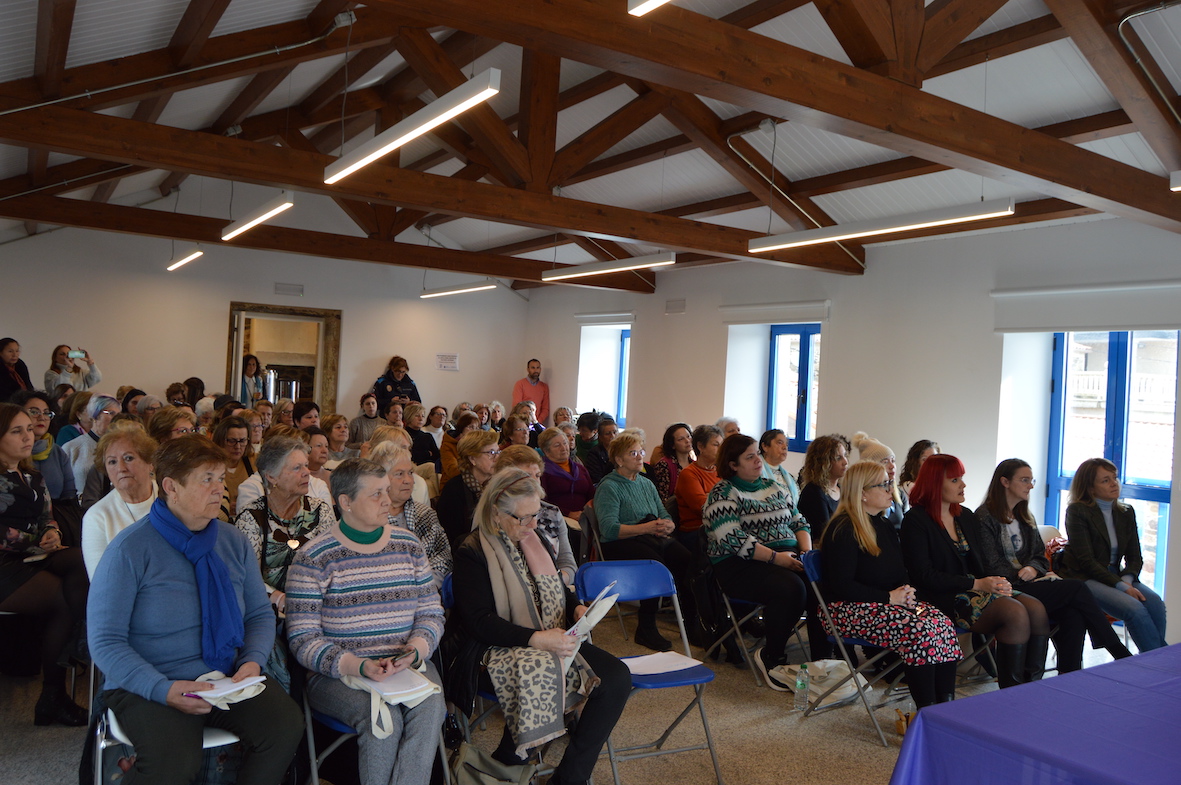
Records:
x=762, y=11
x=55, y=20
x=321, y=17
x=195, y=27
x=365, y=215
x=1086, y=22
x=948, y=23
x=431, y=62
x=113, y=138
x=908, y=20
x=160, y=223
x=352, y=71
x=1011, y=40
x=695, y=54
x=606, y=134
x=864, y=29
x=538, y=129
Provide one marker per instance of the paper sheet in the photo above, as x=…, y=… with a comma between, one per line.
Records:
x=663, y=662
x=227, y=686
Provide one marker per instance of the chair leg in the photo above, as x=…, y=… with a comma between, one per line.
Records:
x=314, y=776
x=709, y=739
x=443, y=758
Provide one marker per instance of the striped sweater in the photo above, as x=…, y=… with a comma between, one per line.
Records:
x=347, y=601
x=739, y=515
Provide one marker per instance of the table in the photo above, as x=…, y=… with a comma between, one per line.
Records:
x=1113, y=723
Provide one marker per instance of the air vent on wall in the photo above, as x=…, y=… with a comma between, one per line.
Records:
x=674, y=306
x=290, y=289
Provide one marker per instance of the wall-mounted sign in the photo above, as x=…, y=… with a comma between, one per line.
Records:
x=446, y=362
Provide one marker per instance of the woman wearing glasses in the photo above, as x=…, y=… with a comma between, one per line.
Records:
x=48, y=457
x=476, y=460
x=1009, y=545
x=172, y=422
x=633, y=524
x=80, y=451
x=233, y=435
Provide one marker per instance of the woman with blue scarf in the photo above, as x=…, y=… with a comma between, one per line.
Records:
x=177, y=596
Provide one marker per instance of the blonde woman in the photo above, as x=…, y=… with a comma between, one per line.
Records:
x=870, y=449
x=868, y=592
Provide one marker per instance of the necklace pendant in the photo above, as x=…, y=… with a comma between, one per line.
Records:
x=293, y=544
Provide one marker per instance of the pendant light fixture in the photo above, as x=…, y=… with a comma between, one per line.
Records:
x=664, y=259
x=284, y=201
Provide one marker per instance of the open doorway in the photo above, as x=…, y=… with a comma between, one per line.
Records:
x=301, y=345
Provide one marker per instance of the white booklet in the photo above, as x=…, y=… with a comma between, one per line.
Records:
x=594, y=612
x=227, y=686
x=404, y=684
x=663, y=662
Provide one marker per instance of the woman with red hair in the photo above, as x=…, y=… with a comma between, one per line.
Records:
x=946, y=571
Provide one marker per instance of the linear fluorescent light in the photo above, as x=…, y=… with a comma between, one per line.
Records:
x=183, y=259
x=463, y=288
x=641, y=7
x=284, y=201
x=477, y=89
x=611, y=266
x=1175, y=181
x=979, y=211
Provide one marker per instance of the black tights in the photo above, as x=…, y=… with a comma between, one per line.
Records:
x=1013, y=619
x=58, y=593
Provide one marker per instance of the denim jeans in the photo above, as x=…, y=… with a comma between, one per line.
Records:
x=1145, y=620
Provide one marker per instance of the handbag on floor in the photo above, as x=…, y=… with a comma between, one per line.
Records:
x=473, y=766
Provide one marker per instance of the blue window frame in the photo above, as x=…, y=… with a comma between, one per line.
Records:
x=625, y=348
x=792, y=382
x=1114, y=396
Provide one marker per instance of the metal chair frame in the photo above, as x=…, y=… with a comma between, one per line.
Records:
x=108, y=733
x=642, y=580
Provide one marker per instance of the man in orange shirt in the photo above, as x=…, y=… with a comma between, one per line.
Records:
x=531, y=388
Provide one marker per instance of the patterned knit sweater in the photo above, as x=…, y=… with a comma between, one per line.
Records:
x=739, y=515
x=347, y=601
x=620, y=502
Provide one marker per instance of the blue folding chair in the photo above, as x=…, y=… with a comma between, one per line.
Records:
x=643, y=580
x=811, y=560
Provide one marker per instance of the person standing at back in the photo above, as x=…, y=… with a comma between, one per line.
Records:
x=532, y=388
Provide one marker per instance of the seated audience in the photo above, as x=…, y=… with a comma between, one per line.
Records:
x=336, y=426
x=52, y=587
x=306, y=414
x=99, y=411
x=436, y=424
x=563, y=414
x=943, y=568
x=918, y=452
x=423, y=448
x=728, y=426
x=318, y=453
x=449, y=453
x=551, y=524
x=676, y=453
x=476, y=455
x=282, y=520
x=125, y=453
x=597, y=459
x=78, y=421
x=566, y=481
x=60, y=399
x=194, y=391
x=511, y=613
x=516, y=430
x=870, y=449
x=694, y=484
x=171, y=422
x=868, y=594
x=457, y=412
x=284, y=408
x=233, y=435
x=482, y=411
x=362, y=593
x=266, y=410
x=253, y=422
x=410, y=515
x=773, y=450
x=51, y=461
x=148, y=405
x=495, y=415
x=253, y=487
x=588, y=434
x=1104, y=550
x=1009, y=545
x=400, y=438
x=178, y=597
x=825, y=462
x=633, y=524
x=366, y=422
x=130, y=400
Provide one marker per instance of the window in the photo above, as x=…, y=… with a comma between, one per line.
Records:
x=793, y=382
x=603, y=365
x=1115, y=397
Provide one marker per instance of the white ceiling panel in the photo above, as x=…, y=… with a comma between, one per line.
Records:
x=655, y=130
x=1161, y=33
x=247, y=14
x=581, y=117
x=1012, y=13
x=805, y=28
x=802, y=151
x=199, y=107
x=1130, y=149
x=107, y=29
x=669, y=182
x=18, y=39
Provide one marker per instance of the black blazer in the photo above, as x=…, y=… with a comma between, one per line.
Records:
x=932, y=560
x=992, y=550
x=1088, y=547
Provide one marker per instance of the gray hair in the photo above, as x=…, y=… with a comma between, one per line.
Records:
x=145, y=402
x=97, y=404
x=389, y=454
x=273, y=454
x=346, y=477
x=204, y=407
x=724, y=421
x=501, y=493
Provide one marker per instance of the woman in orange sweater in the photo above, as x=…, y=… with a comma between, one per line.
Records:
x=694, y=484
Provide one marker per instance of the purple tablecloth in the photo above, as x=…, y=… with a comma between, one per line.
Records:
x=1114, y=723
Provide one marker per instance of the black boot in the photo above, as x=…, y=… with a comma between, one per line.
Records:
x=1035, y=657
x=1010, y=664
x=649, y=637
x=55, y=705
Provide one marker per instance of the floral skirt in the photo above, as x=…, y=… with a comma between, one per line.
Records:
x=921, y=635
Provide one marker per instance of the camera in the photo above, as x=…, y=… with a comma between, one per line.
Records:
x=77, y=354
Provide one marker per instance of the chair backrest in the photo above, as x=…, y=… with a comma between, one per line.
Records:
x=673, y=509
x=640, y=579
x=811, y=560
x=447, y=593
x=1048, y=533
x=590, y=533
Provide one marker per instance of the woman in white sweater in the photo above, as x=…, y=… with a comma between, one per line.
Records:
x=125, y=453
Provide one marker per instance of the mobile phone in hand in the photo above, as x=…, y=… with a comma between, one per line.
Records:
x=402, y=655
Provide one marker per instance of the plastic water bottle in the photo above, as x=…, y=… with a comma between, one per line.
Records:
x=803, y=683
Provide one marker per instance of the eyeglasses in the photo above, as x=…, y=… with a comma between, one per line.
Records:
x=637, y=453
x=523, y=519
x=46, y=413
x=179, y=402
x=108, y=411
x=155, y=408
x=493, y=453
x=1028, y=481
x=183, y=431
x=883, y=485
x=236, y=442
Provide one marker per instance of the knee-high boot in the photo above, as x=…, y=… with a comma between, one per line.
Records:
x=1010, y=664
x=1035, y=657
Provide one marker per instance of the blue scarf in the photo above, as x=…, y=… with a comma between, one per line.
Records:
x=222, y=629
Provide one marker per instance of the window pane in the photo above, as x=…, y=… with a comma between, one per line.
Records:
x=814, y=387
x=787, y=383
x=1152, y=400
x=1084, y=421
x=625, y=353
x=1152, y=518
